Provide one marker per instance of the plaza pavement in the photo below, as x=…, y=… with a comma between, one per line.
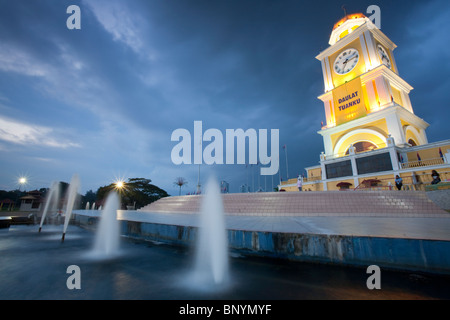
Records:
x=391, y=214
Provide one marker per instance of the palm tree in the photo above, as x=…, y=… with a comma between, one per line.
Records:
x=180, y=181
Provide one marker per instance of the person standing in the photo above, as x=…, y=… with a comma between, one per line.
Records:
x=299, y=183
x=398, y=182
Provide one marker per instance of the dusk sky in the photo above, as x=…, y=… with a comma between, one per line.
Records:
x=103, y=101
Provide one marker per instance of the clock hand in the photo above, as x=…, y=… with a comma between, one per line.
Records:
x=349, y=58
x=352, y=56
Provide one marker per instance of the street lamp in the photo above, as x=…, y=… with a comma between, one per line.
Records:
x=119, y=184
x=22, y=181
x=121, y=188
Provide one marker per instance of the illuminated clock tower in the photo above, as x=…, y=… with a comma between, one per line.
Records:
x=365, y=100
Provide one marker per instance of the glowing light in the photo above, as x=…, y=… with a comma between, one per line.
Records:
x=22, y=180
x=120, y=184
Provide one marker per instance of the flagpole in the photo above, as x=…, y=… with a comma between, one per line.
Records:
x=253, y=179
x=198, y=180
x=287, y=170
x=259, y=176
x=279, y=176
x=246, y=170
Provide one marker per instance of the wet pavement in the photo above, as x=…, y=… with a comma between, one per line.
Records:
x=34, y=266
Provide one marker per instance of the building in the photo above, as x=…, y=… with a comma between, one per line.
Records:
x=7, y=204
x=371, y=133
x=32, y=201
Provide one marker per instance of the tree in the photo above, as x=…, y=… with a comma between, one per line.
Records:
x=90, y=197
x=137, y=192
x=180, y=181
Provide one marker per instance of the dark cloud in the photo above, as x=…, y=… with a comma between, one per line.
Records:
x=137, y=70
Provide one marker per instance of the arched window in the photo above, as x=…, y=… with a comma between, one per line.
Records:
x=362, y=146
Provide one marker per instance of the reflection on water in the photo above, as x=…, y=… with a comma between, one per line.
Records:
x=33, y=266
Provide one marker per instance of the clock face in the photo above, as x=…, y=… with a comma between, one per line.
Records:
x=346, y=61
x=384, y=56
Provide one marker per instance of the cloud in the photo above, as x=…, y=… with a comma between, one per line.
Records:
x=117, y=19
x=13, y=59
x=25, y=134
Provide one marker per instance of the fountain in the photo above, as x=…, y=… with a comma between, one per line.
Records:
x=87, y=205
x=107, y=236
x=71, y=194
x=211, y=264
x=51, y=203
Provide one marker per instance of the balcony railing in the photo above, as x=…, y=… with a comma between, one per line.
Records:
x=305, y=180
x=418, y=182
x=422, y=163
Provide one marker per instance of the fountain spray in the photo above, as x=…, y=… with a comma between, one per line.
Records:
x=72, y=193
x=52, y=199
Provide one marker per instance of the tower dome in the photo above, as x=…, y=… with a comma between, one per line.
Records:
x=346, y=26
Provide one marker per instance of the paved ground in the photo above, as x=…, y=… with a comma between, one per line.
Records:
x=312, y=204
x=409, y=215
x=371, y=213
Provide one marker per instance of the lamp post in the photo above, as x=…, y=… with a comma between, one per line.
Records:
x=119, y=185
x=120, y=188
x=22, y=181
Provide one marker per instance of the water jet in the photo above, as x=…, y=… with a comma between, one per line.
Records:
x=51, y=202
x=108, y=235
x=72, y=193
x=211, y=264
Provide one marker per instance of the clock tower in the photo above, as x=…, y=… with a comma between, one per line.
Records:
x=365, y=99
x=371, y=135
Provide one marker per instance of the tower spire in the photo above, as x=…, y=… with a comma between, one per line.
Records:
x=345, y=10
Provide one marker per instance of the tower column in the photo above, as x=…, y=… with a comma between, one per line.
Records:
x=382, y=88
x=406, y=101
x=394, y=127
x=328, y=145
x=351, y=152
x=323, y=169
x=390, y=141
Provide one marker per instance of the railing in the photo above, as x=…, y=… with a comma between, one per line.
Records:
x=422, y=163
x=312, y=179
x=418, y=182
x=294, y=180
x=386, y=184
x=425, y=179
x=356, y=153
x=336, y=155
